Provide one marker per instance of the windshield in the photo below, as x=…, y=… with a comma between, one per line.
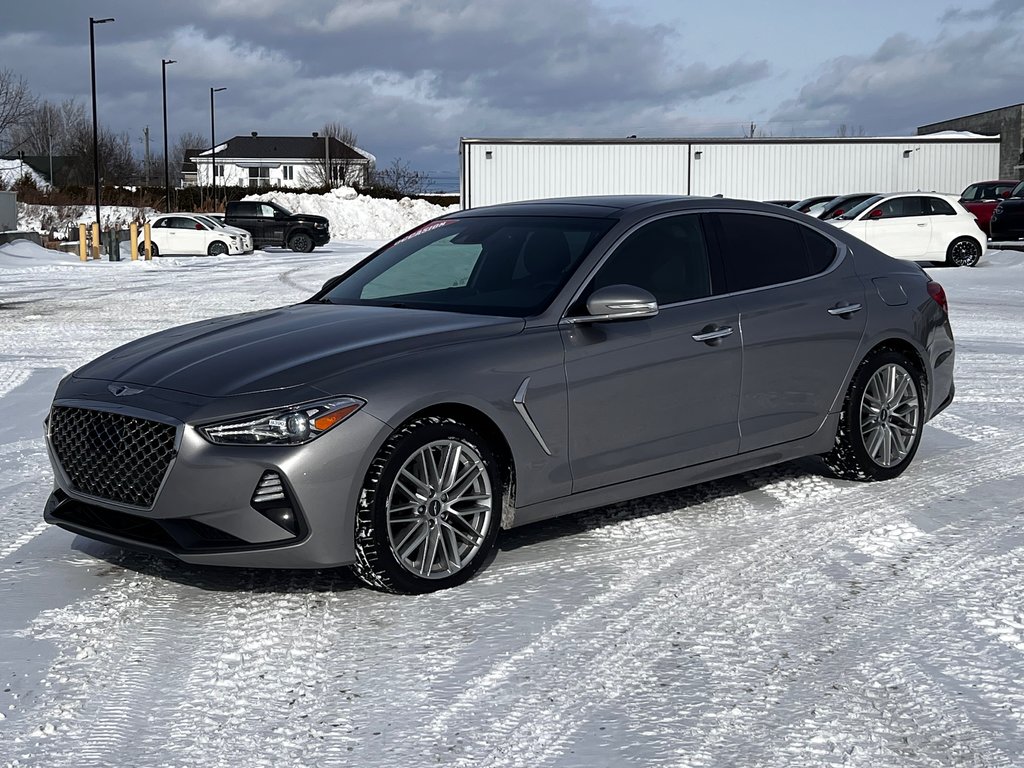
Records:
x=1018, y=191
x=210, y=222
x=497, y=265
x=858, y=209
x=281, y=208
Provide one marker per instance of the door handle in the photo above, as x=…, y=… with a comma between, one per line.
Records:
x=846, y=309
x=711, y=334
x=923, y=225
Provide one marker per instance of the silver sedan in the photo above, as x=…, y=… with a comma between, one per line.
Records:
x=496, y=367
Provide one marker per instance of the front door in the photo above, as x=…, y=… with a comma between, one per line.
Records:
x=903, y=229
x=645, y=396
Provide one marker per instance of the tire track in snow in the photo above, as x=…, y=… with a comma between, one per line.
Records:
x=537, y=729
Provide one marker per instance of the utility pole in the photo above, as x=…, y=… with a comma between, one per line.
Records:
x=149, y=160
x=167, y=173
x=95, y=120
x=213, y=150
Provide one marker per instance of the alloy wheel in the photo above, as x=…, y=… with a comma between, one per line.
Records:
x=890, y=415
x=439, y=509
x=964, y=253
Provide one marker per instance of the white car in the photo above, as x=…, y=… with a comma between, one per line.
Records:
x=188, y=234
x=917, y=226
x=218, y=222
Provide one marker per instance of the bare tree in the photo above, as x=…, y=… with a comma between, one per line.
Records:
x=16, y=101
x=328, y=171
x=398, y=178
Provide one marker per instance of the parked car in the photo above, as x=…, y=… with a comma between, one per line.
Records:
x=217, y=221
x=982, y=198
x=805, y=205
x=1007, y=222
x=499, y=366
x=188, y=234
x=783, y=203
x=916, y=226
x=274, y=225
x=837, y=206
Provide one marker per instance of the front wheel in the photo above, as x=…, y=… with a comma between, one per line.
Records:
x=301, y=243
x=217, y=248
x=880, y=426
x=430, y=509
x=963, y=252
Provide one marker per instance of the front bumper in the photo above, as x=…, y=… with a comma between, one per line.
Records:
x=204, y=510
x=321, y=236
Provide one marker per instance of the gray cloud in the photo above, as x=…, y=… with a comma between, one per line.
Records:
x=410, y=77
x=972, y=65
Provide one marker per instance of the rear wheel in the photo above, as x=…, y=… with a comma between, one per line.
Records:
x=217, y=248
x=963, y=252
x=880, y=426
x=301, y=242
x=430, y=509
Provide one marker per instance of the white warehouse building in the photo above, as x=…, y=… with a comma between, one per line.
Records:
x=504, y=170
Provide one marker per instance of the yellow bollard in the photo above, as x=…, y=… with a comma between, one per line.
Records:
x=83, y=245
x=149, y=245
x=95, y=240
x=133, y=233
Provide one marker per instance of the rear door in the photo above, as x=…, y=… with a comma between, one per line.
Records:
x=246, y=215
x=801, y=315
x=649, y=395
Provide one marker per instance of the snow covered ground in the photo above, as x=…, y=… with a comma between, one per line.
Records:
x=776, y=618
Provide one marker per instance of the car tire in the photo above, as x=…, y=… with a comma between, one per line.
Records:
x=430, y=509
x=153, y=250
x=881, y=421
x=217, y=248
x=963, y=252
x=301, y=243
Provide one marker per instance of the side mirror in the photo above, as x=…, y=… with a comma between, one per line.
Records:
x=1005, y=195
x=875, y=214
x=618, y=302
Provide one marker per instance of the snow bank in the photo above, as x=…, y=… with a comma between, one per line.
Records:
x=359, y=217
x=11, y=172
x=23, y=253
x=63, y=220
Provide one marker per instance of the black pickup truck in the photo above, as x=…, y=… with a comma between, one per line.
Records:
x=271, y=224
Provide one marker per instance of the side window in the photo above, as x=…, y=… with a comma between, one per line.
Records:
x=161, y=223
x=939, y=207
x=899, y=207
x=266, y=211
x=765, y=250
x=667, y=257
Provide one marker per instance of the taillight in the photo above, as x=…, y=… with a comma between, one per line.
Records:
x=936, y=292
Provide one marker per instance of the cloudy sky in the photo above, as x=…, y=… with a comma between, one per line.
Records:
x=412, y=76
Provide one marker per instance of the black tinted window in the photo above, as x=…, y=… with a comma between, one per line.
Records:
x=667, y=257
x=246, y=209
x=764, y=250
x=939, y=207
x=898, y=207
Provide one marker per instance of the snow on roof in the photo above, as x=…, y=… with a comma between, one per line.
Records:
x=12, y=170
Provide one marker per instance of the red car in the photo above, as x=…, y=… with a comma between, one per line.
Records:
x=983, y=197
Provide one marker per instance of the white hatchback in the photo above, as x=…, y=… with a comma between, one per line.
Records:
x=917, y=226
x=192, y=235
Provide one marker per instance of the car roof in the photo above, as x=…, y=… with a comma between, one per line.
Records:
x=606, y=206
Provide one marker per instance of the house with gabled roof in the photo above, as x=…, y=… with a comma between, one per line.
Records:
x=284, y=161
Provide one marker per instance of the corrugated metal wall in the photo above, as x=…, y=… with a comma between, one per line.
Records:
x=497, y=171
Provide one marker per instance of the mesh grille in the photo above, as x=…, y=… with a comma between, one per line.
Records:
x=111, y=456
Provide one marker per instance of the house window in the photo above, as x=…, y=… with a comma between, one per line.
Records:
x=288, y=172
x=259, y=177
x=220, y=170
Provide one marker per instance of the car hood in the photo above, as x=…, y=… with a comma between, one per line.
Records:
x=1015, y=204
x=312, y=218
x=840, y=223
x=286, y=347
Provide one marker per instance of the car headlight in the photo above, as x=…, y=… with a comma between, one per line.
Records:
x=286, y=426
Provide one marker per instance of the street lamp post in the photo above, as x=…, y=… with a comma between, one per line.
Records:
x=167, y=171
x=213, y=150
x=95, y=120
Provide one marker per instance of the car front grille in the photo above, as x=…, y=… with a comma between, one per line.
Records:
x=112, y=456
